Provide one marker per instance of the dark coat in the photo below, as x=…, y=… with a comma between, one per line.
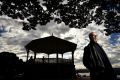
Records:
x=97, y=62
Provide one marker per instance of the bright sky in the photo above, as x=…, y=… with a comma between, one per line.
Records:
x=13, y=39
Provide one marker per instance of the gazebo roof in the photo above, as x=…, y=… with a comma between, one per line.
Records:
x=50, y=45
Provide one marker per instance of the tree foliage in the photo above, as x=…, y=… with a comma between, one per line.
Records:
x=75, y=13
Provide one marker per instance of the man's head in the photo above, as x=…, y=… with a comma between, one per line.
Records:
x=93, y=37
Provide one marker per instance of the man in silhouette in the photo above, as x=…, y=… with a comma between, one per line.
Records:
x=96, y=60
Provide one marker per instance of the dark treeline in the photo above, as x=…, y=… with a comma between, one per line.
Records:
x=11, y=67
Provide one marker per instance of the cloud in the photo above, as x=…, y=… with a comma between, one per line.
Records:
x=53, y=28
x=14, y=39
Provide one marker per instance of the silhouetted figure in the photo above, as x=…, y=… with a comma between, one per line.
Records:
x=31, y=60
x=96, y=61
x=43, y=59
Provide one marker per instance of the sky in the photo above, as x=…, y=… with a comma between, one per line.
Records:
x=13, y=39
